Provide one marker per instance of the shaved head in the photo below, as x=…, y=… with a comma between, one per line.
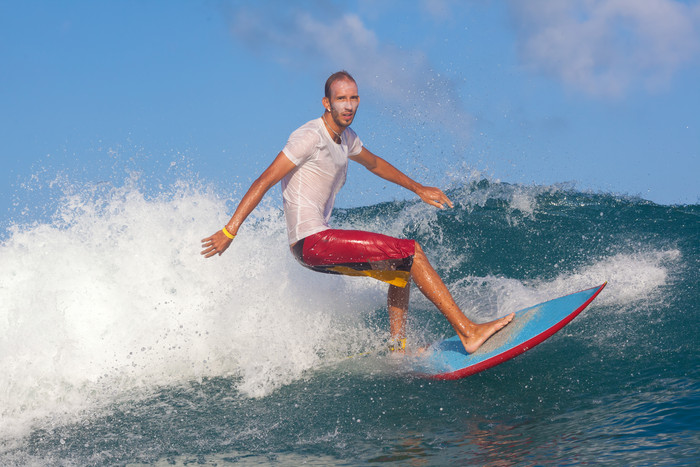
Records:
x=339, y=75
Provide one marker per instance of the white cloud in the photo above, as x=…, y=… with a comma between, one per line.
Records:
x=332, y=40
x=607, y=47
x=438, y=9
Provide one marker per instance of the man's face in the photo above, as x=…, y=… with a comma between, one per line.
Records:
x=343, y=102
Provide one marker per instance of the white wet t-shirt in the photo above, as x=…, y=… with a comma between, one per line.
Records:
x=309, y=190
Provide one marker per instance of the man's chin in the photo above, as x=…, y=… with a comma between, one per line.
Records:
x=342, y=121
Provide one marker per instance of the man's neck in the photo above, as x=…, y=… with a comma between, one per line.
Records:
x=334, y=133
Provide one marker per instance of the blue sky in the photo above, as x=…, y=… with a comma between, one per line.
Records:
x=603, y=94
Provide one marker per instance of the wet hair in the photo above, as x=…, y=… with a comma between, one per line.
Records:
x=339, y=75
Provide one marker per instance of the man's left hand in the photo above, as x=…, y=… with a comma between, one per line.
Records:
x=434, y=196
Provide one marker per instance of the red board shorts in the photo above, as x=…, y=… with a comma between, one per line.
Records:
x=357, y=253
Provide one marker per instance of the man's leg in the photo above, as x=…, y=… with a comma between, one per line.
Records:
x=397, y=304
x=471, y=334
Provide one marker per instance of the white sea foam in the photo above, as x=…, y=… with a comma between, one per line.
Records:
x=113, y=298
x=632, y=278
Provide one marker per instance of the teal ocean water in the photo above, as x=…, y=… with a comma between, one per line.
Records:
x=120, y=345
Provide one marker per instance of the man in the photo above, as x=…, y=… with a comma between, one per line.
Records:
x=312, y=168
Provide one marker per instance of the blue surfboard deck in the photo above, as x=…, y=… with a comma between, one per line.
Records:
x=530, y=326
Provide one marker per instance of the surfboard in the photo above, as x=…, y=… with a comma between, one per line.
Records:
x=448, y=360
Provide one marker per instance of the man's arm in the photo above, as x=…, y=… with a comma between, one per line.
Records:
x=219, y=242
x=380, y=167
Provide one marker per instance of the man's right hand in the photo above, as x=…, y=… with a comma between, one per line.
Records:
x=216, y=244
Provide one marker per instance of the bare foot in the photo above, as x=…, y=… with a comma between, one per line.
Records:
x=481, y=333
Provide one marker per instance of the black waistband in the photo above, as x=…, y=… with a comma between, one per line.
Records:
x=298, y=250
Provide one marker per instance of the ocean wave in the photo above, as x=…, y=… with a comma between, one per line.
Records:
x=110, y=298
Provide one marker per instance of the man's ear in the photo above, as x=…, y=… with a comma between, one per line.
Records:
x=326, y=103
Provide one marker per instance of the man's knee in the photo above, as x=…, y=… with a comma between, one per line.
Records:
x=418, y=250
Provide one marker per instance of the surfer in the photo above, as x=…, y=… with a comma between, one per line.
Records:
x=312, y=168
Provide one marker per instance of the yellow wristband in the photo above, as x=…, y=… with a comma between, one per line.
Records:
x=227, y=233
